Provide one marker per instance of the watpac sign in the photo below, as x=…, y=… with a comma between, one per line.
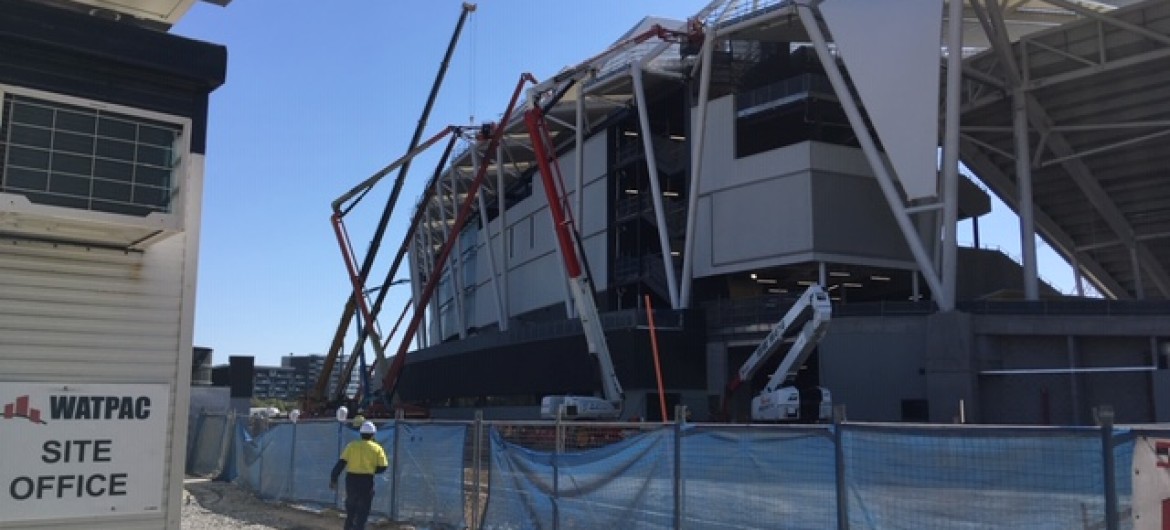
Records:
x=86, y=450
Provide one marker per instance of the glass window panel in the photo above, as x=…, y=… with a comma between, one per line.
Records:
x=75, y=121
x=159, y=178
x=31, y=136
x=114, y=128
x=69, y=184
x=123, y=208
x=30, y=158
x=155, y=156
x=53, y=199
x=75, y=164
x=115, y=191
x=73, y=143
x=156, y=136
x=151, y=196
x=115, y=149
x=109, y=169
x=31, y=114
x=26, y=179
x=81, y=157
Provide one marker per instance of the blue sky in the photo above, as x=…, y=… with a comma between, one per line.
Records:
x=320, y=95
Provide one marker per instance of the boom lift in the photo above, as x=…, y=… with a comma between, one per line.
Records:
x=804, y=325
x=609, y=406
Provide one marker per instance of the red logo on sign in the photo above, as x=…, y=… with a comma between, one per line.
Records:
x=20, y=409
x=1162, y=453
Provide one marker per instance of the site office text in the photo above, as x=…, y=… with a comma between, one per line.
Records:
x=59, y=453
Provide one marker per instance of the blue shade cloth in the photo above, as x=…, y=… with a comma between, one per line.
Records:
x=430, y=474
x=717, y=477
x=628, y=484
x=753, y=478
x=980, y=478
x=292, y=462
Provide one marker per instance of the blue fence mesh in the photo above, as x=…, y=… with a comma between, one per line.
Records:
x=431, y=474
x=709, y=476
x=628, y=484
x=292, y=462
x=978, y=478
x=755, y=478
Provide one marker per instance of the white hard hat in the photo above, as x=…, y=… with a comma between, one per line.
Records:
x=368, y=428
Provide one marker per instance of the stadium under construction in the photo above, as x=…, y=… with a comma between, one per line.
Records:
x=711, y=169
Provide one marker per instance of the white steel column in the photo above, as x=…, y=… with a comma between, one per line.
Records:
x=487, y=235
x=822, y=274
x=1139, y=290
x=876, y=162
x=415, y=282
x=436, y=335
x=579, y=158
x=950, y=163
x=455, y=266
x=697, y=134
x=1024, y=183
x=502, y=203
x=655, y=186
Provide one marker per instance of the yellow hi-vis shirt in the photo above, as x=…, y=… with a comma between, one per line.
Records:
x=363, y=456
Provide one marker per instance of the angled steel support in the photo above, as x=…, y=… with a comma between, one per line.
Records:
x=655, y=186
x=897, y=205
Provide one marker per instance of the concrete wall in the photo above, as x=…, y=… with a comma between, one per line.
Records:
x=872, y=364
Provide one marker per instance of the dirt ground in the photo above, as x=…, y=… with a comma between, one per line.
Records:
x=210, y=505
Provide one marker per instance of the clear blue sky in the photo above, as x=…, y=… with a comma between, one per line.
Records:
x=320, y=95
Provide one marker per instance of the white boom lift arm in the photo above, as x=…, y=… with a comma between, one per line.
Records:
x=804, y=324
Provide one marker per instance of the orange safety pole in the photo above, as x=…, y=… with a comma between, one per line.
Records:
x=657, y=364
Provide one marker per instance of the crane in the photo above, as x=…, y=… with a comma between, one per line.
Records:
x=316, y=398
x=804, y=325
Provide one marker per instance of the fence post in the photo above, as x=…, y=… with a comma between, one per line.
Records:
x=839, y=460
x=680, y=414
x=559, y=445
x=290, y=485
x=194, y=437
x=1104, y=415
x=395, y=469
x=477, y=464
x=227, y=440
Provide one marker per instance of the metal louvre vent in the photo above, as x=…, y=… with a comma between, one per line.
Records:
x=87, y=158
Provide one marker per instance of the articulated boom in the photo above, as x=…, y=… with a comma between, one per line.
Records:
x=814, y=305
x=580, y=286
x=804, y=325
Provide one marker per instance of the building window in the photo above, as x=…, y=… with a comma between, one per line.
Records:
x=60, y=151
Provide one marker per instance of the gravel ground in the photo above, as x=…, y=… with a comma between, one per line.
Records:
x=210, y=505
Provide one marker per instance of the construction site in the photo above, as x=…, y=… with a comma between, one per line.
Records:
x=709, y=276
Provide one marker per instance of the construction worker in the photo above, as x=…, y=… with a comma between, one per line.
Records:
x=361, y=460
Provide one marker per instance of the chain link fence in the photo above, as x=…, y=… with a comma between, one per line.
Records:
x=496, y=475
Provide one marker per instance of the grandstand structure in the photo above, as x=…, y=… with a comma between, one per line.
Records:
x=782, y=143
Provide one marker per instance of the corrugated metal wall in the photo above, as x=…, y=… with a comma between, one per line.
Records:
x=75, y=314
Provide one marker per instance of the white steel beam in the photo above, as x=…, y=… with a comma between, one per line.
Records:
x=697, y=135
x=950, y=162
x=655, y=186
x=487, y=243
x=501, y=203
